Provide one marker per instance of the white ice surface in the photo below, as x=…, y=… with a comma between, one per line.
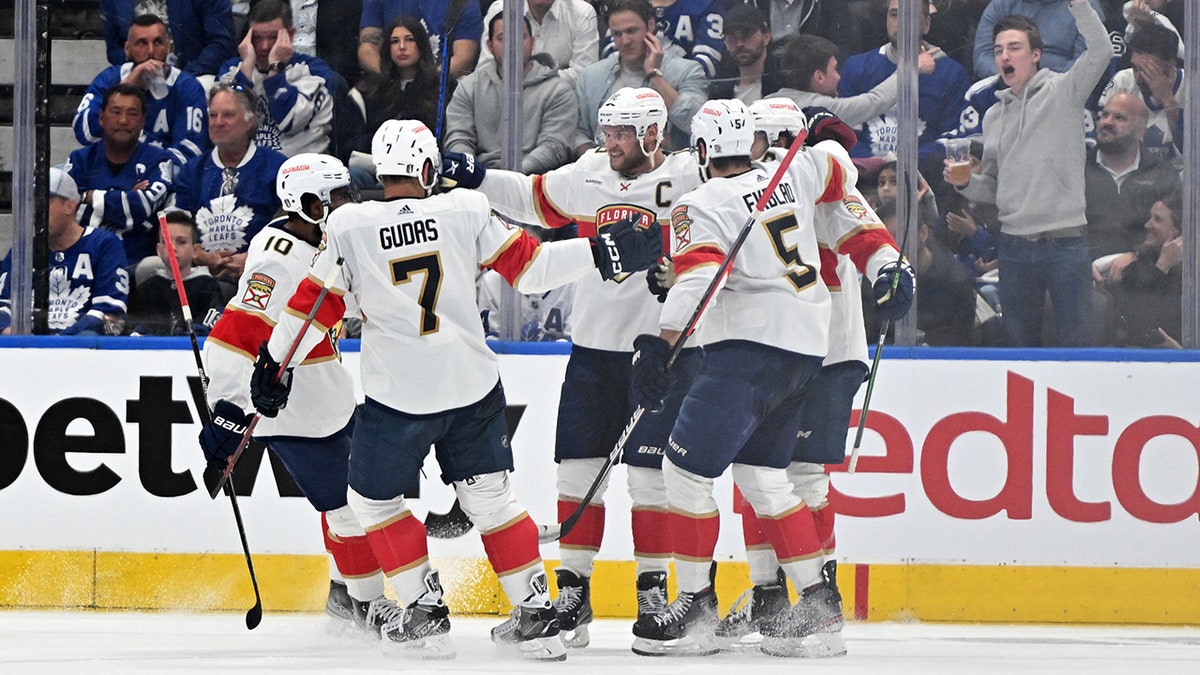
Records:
x=121, y=642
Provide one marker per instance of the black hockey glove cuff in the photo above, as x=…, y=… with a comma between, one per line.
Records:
x=269, y=388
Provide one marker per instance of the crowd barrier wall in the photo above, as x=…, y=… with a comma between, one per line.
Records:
x=994, y=486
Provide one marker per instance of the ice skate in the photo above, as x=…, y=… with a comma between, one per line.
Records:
x=339, y=607
x=574, y=608
x=812, y=628
x=742, y=629
x=532, y=628
x=684, y=628
x=651, y=593
x=421, y=630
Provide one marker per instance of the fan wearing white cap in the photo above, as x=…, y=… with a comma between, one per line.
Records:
x=429, y=378
x=312, y=436
x=89, y=287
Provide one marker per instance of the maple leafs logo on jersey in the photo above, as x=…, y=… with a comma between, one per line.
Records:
x=65, y=302
x=883, y=129
x=223, y=224
x=258, y=290
x=681, y=222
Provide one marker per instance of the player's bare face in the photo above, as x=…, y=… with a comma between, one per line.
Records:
x=404, y=50
x=122, y=120
x=625, y=155
x=628, y=32
x=143, y=43
x=229, y=123
x=1015, y=60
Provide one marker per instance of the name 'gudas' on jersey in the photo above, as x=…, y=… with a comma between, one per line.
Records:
x=411, y=266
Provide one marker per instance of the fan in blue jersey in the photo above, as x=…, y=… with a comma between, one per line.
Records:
x=123, y=181
x=175, y=108
x=231, y=190
x=691, y=29
x=202, y=30
x=88, y=283
x=939, y=94
x=295, y=91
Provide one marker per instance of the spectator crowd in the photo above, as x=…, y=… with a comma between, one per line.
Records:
x=1066, y=230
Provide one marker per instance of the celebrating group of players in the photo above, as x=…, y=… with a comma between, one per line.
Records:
x=763, y=386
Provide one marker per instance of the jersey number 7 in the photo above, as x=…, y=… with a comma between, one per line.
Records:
x=430, y=264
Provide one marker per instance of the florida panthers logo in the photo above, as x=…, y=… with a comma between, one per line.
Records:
x=614, y=213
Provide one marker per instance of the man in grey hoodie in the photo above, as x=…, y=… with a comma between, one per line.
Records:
x=1032, y=169
x=549, y=108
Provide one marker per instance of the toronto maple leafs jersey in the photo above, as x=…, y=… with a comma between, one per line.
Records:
x=322, y=397
x=543, y=317
x=411, y=264
x=691, y=29
x=176, y=121
x=607, y=315
x=939, y=101
x=228, y=222
x=87, y=279
x=114, y=204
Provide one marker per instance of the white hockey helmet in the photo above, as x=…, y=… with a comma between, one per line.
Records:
x=310, y=173
x=406, y=148
x=637, y=107
x=722, y=128
x=773, y=116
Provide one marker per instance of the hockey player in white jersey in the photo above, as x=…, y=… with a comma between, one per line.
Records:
x=764, y=336
x=828, y=400
x=630, y=174
x=430, y=379
x=314, y=446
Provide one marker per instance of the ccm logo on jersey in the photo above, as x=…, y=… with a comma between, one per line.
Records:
x=258, y=290
x=404, y=234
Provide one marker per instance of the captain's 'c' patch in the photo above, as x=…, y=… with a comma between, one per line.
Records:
x=258, y=290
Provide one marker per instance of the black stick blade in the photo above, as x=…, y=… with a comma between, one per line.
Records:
x=449, y=525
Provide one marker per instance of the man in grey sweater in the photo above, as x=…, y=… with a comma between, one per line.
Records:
x=549, y=109
x=1032, y=169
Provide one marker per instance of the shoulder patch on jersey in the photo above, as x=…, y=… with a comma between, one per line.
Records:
x=855, y=206
x=258, y=290
x=681, y=222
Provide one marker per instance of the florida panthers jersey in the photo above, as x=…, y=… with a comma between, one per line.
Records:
x=322, y=397
x=411, y=265
x=607, y=315
x=86, y=280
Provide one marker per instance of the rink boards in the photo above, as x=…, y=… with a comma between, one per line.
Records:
x=991, y=488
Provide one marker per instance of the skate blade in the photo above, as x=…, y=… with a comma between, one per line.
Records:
x=576, y=639
x=432, y=648
x=685, y=646
x=538, y=649
x=815, y=646
x=749, y=642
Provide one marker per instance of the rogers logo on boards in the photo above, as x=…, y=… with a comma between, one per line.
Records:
x=1016, y=434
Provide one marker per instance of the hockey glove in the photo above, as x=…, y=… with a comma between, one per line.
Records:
x=462, y=169
x=823, y=125
x=624, y=247
x=650, y=378
x=221, y=436
x=268, y=395
x=661, y=278
x=894, y=289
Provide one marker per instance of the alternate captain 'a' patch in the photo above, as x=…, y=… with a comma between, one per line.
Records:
x=258, y=290
x=681, y=222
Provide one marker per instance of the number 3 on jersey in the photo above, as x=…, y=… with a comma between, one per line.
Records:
x=799, y=273
x=430, y=265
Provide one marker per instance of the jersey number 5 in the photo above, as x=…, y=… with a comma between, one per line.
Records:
x=799, y=273
x=429, y=264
